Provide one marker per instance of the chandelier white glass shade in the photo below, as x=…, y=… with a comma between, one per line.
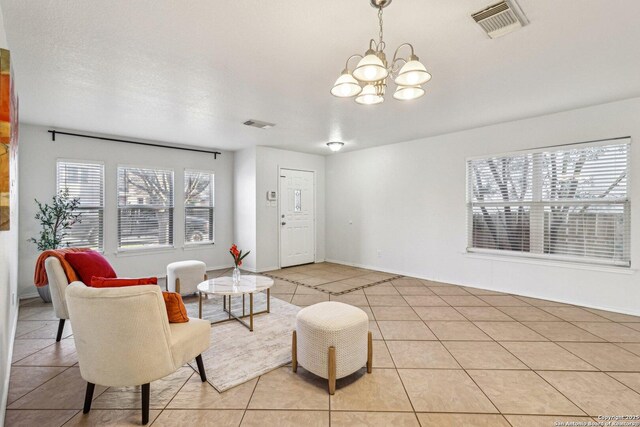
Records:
x=368, y=80
x=335, y=145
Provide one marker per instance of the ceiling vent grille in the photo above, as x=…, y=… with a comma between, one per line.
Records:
x=258, y=124
x=501, y=18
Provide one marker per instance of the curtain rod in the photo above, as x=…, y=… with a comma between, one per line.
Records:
x=57, y=132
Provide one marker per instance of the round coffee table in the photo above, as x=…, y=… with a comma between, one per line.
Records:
x=225, y=286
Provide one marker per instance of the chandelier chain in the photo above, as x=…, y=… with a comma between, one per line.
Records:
x=381, y=33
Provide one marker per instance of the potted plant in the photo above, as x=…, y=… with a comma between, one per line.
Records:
x=238, y=256
x=55, y=220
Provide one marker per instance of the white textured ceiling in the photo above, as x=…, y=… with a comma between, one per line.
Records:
x=192, y=71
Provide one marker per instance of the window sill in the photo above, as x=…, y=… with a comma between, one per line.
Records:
x=144, y=251
x=550, y=263
x=192, y=246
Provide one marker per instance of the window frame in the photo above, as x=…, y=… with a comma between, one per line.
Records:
x=212, y=230
x=545, y=257
x=152, y=247
x=101, y=238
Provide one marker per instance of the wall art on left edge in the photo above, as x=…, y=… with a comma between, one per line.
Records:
x=8, y=139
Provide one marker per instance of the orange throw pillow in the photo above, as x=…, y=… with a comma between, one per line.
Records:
x=107, y=282
x=176, y=311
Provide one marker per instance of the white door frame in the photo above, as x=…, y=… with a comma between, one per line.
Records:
x=315, y=211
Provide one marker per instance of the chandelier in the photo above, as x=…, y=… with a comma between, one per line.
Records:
x=368, y=80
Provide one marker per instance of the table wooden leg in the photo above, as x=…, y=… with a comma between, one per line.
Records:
x=243, y=313
x=200, y=305
x=251, y=312
x=229, y=306
x=294, y=352
x=332, y=370
x=268, y=300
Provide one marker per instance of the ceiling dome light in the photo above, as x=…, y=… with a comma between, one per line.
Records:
x=369, y=96
x=335, y=145
x=407, y=93
x=413, y=73
x=370, y=68
x=346, y=86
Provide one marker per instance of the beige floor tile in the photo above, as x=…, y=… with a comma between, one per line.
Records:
x=351, y=299
x=282, y=287
x=457, y=331
x=336, y=287
x=616, y=317
x=23, y=348
x=314, y=281
x=448, y=290
x=305, y=300
x=196, y=394
x=542, y=302
x=381, y=356
x=37, y=312
x=441, y=390
x=386, y=300
x=111, y=418
x=503, y=301
x=386, y=289
x=375, y=331
x=284, y=389
x=37, y=417
x=26, y=326
x=405, y=330
x=202, y=418
x=604, y=356
x=381, y=390
x=283, y=297
x=509, y=331
x=635, y=326
x=594, y=392
x=62, y=353
x=544, y=420
x=483, y=355
x=612, y=332
x=547, y=355
x=633, y=348
x=24, y=379
x=562, y=331
x=529, y=314
x=409, y=282
x=630, y=379
x=421, y=354
x=373, y=419
x=162, y=391
x=286, y=418
x=523, y=392
x=484, y=313
x=48, y=331
x=305, y=290
x=438, y=313
x=575, y=314
x=466, y=420
x=414, y=290
x=65, y=391
x=425, y=301
x=464, y=301
x=479, y=291
x=394, y=313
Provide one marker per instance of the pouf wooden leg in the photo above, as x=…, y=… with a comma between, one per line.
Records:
x=294, y=352
x=332, y=370
x=369, y=353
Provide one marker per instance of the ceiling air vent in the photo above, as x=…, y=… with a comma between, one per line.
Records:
x=501, y=18
x=258, y=124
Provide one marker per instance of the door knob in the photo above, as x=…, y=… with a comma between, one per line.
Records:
x=284, y=223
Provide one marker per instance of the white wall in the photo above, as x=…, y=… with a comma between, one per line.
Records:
x=244, y=175
x=408, y=201
x=38, y=155
x=8, y=277
x=269, y=163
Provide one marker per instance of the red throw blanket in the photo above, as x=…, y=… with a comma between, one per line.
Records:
x=40, y=278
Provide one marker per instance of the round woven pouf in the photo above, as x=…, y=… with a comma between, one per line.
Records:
x=332, y=340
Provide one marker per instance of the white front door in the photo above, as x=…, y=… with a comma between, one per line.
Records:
x=297, y=217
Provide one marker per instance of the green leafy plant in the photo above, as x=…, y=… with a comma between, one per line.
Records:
x=55, y=219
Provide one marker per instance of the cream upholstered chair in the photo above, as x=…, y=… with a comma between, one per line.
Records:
x=57, y=286
x=183, y=277
x=123, y=338
x=332, y=340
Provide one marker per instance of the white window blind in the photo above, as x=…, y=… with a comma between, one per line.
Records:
x=85, y=181
x=567, y=203
x=145, y=207
x=198, y=206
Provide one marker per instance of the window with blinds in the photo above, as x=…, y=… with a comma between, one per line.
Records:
x=145, y=208
x=198, y=206
x=567, y=203
x=85, y=181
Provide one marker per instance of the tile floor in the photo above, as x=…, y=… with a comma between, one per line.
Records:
x=444, y=355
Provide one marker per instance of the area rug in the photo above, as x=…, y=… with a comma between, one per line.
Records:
x=237, y=355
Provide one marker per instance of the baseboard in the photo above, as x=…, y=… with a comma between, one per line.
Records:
x=528, y=295
x=5, y=381
x=29, y=295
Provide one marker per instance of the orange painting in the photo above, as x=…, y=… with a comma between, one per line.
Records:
x=8, y=138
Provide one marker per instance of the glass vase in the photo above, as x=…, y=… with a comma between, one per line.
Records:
x=236, y=275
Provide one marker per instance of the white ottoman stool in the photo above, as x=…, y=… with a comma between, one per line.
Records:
x=332, y=340
x=183, y=277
